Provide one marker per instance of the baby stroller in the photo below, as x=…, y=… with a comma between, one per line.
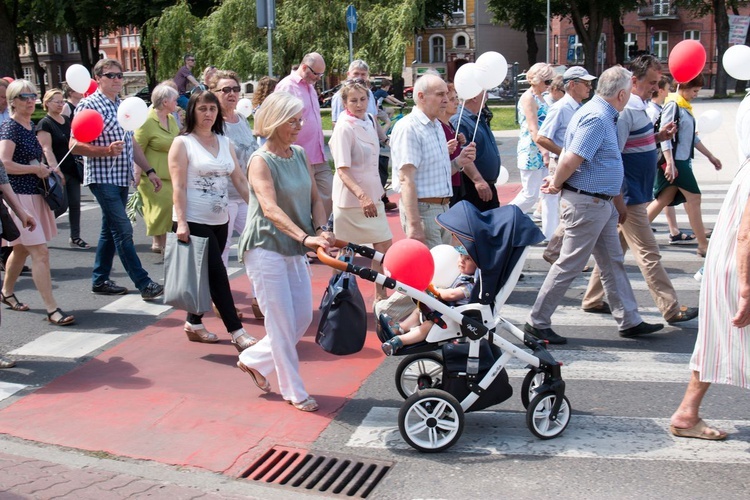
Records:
x=470, y=374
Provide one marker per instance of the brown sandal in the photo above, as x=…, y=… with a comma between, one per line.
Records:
x=65, y=319
x=16, y=305
x=198, y=333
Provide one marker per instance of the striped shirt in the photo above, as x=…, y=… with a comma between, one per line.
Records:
x=635, y=133
x=592, y=135
x=420, y=142
x=107, y=169
x=558, y=117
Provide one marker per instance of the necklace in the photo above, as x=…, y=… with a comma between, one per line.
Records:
x=211, y=145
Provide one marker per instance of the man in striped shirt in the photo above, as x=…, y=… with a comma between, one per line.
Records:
x=590, y=176
x=638, y=142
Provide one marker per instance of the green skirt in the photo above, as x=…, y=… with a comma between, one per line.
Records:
x=685, y=180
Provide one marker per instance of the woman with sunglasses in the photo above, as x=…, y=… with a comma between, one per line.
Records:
x=226, y=85
x=22, y=155
x=532, y=161
x=202, y=163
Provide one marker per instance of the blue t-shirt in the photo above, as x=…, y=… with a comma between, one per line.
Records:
x=380, y=96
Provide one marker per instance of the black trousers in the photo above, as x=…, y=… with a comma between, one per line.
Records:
x=218, y=282
x=471, y=195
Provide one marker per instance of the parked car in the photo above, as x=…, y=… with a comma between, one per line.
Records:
x=145, y=94
x=409, y=92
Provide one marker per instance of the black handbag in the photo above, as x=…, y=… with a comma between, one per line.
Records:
x=10, y=230
x=53, y=192
x=343, y=322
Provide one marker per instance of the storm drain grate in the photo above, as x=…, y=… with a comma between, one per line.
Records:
x=333, y=474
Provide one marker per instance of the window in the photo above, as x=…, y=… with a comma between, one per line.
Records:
x=458, y=7
x=418, y=50
x=41, y=45
x=125, y=61
x=601, y=50
x=459, y=41
x=23, y=50
x=57, y=41
x=59, y=75
x=661, y=7
x=692, y=35
x=631, y=45
x=72, y=45
x=28, y=74
x=134, y=59
x=437, y=49
x=661, y=45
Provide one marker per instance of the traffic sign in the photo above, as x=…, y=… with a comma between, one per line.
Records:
x=351, y=19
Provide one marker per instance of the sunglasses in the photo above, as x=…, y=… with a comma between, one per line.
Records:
x=314, y=72
x=227, y=90
x=548, y=82
x=112, y=76
x=27, y=97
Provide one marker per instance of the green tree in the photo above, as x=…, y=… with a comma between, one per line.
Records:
x=172, y=34
x=526, y=16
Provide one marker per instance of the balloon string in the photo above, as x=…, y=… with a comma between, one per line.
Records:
x=479, y=115
x=66, y=154
x=460, y=114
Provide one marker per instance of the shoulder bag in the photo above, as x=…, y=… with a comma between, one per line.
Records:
x=51, y=189
x=10, y=231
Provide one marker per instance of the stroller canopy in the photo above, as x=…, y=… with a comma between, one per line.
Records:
x=494, y=239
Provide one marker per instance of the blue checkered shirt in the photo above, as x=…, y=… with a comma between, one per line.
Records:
x=108, y=169
x=592, y=135
x=420, y=142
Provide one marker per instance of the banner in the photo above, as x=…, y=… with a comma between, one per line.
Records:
x=738, y=29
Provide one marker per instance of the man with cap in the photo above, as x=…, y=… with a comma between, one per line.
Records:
x=638, y=144
x=551, y=136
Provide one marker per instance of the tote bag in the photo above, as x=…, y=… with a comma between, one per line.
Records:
x=343, y=322
x=186, y=274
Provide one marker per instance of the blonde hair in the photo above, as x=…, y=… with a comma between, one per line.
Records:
x=539, y=73
x=48, y=97
x=16, y=88
x=277, y=109
x=349, y=87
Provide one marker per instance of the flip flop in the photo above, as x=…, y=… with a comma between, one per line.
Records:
x=254, y=374
x=698, y=431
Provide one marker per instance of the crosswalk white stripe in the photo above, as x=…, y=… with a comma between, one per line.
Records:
x=65, y=344
x=132, y=303
x=533, y=280
x=7, y=389
x=574, y=316
x=505, y=433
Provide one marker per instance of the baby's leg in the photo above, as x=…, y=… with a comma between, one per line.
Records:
x=410, y=321
x=416, y=335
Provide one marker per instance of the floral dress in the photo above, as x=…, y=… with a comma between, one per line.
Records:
x=529, y=156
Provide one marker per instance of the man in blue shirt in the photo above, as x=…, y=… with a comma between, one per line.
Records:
x=590, y=176
x=479, y=186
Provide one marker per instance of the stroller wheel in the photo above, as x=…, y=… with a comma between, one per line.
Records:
x=431, y=420
x=538, y=416
x=531, y=383
x=418, y=372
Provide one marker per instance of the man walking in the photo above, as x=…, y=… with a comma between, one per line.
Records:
x=301, y=83
x=108, y=167
x=590, y=176
x=638, y=143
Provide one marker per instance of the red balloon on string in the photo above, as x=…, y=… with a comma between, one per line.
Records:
x=8, y=79
x=92, y=88
x=686, y=61
x=410, y=262
x=87, y=125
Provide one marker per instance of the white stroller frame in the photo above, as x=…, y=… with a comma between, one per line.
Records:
x=438, y=414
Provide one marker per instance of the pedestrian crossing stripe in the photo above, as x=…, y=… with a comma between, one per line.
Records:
x=65, y=344
x=7, y=389
x=505, y=433
x=532, y=281
x=574, y=316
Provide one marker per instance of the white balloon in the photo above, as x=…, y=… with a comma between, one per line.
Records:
x=495, y=69
x=709, y=121
x=78, y=78
x=132, y=113
x=736, y=62
x=467, y=82
x=245, y=107
x=502, y=177
x=446, y=265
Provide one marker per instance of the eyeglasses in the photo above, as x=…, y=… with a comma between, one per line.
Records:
x=319, y=75
x=296, y=123
x=227, y=90
x=355, y=81
x=190, y=60
x=584, y=82
x=113, y=76
x=27, y=97
x=548, y=82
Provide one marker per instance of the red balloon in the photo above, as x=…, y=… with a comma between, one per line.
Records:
x=410, y=262
x=92, y=88
x=87, y=125
x=8, y=79
x=686, y=61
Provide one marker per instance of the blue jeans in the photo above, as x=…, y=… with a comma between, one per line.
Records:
x=116, y=236
x=182, y=101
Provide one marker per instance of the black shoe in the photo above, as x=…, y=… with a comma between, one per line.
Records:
x=642, y=329
x=108, y=288
x=602, y=309
x=25, y=270
x=684, y=314
x=545, y=334
x=152, y=291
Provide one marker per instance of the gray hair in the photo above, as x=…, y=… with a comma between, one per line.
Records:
x=426, y=81
x=278, y=108
x=161, y=93
x=612, y=81
x=359, y=64
x=16, y=88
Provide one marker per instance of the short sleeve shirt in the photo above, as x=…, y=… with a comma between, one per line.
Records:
x=181, y=79
x=27, y=151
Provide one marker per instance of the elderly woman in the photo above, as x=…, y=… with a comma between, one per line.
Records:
x=53, y=133
x=201, y=164
x=532, y=109
x=155, y=138
x=358, y=210
x=226, y=86
x=22, y=156
x=285, y=220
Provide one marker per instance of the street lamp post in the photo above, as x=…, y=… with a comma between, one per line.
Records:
x=547, y=33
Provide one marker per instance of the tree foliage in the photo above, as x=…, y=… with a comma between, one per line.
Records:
x=526, y=16
x=172, y=34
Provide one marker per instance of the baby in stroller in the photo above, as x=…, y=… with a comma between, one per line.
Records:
x=411, y=330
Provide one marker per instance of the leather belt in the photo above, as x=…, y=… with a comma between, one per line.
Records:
x=436, y=200
x=604, y=197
